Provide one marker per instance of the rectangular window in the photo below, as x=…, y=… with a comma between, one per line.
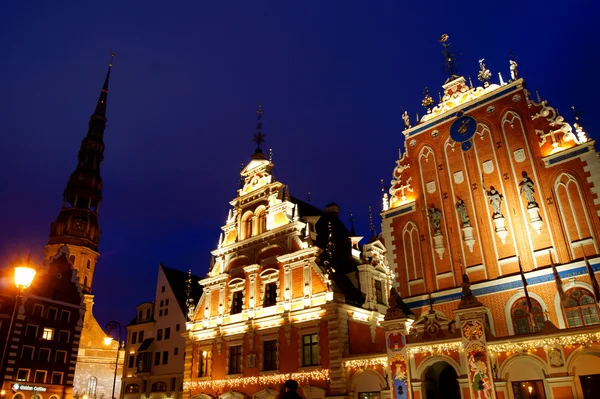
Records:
x=379, y=292
x=237, y=302
x=61, y=357
x=160, y=313
x=177, y=327
x=65, y=316
x=131, y=361
x=57, y=378
x=235, y=359
x=175, y=351
x=37, y=310
x=167, y=302
x=165, y=357
x=140, y=315
x=310, y=350
x=133, y=337
x=27, y=352
x=162, y=303
x=52, y=312
x=270, y=355
x=156, y=358
x=48, y=334
x=40, y=376
x=147, y=314
x=167, y=332
x=144, y=363
x=166, y=312
x=162, y=289
x=31, y=331
x=159, y=335
x=64, y=336
x=23, y=375
x=44, y=355
x=270, y=294
x=204, y=363
x=141, y=337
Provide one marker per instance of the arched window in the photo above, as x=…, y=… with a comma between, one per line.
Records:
x=159, y=386
x=520, y=317
x=91, y=388
x=247, y=225
x=261, y=222
x=132, y=388
x=580, y=308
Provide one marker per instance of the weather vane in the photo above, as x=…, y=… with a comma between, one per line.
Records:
x=112, y=56
x=259, y=138
x=449, y=62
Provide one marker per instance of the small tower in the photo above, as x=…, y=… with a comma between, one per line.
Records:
x=77, y=223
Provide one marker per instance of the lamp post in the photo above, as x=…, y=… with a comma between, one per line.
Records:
x=23, y=278
x=110, y=327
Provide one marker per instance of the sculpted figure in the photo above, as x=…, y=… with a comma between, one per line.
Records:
x=495, y=199
x=526, y=188
x=461, y=208
x=435, y=217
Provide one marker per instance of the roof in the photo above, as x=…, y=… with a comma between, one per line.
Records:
x=305, y=209
x=178, y=282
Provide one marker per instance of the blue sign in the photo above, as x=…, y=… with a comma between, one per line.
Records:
x=463, y=128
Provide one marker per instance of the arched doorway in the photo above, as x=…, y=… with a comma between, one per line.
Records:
x=441, y=382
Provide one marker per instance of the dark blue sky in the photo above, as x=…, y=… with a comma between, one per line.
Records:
x=331, y=77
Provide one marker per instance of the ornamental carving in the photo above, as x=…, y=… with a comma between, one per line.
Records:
x=472, y=330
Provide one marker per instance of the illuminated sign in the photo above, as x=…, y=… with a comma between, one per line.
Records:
x=19, y=387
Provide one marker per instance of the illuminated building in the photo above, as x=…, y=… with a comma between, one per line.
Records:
x=494, y=180
x=155, y=348
x=290, y=294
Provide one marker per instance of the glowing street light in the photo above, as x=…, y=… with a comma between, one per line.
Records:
x=114, y=325
x=23, y=278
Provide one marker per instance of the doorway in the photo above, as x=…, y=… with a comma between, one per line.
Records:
x=590, y=385
x=529, y=389
x=441, y=382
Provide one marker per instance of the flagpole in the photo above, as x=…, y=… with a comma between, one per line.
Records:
x=527, y=298
x=592, y=275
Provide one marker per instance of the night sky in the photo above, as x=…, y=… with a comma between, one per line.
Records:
x=332, y=77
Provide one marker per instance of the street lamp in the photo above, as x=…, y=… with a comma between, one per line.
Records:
x=23, y=278
x=110, y=327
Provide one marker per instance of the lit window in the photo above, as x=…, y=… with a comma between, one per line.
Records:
x=132, y=388
x=159, y=387
x=379, y=292
x=48, y=334
x=204, y=363
x=92, y=384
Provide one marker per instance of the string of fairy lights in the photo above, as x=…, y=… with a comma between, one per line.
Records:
x=303, y=377
x=561, y=340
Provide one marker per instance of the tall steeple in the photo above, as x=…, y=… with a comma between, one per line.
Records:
x=77, y=223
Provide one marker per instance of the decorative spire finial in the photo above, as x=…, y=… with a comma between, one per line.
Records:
x=427, y=101
x=308, y=197
x=484, y=74
x=270, y=155
x=449, y=63
x=581, y=135
x=352, y=230
x=241, y=181
x=259, y=137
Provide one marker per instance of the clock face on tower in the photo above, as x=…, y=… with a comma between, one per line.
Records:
x=463, y=128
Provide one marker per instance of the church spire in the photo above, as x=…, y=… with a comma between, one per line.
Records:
x=101, y=105
x=77, y=223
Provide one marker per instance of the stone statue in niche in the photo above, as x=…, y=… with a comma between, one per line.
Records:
x=461, y=208
x=495, y=199
x=435, y=217
x=526, y=188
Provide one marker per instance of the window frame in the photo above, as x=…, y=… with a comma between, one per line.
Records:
x=314, y=349
x=51, y=333
x=57, y=373
x=35, y=376
x=235, y=359
x=55, y=313
x=21, y=379
x=32, y=352
x=273, y=363
x=204, y=368
x=60, y=352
